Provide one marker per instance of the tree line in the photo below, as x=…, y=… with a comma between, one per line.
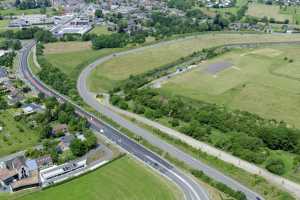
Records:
x=55, y=77
x=31, y=4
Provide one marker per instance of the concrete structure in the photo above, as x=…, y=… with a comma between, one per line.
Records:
x=31, y=20
x=58, y=173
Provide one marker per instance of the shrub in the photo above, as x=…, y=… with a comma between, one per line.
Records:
x=276, y=166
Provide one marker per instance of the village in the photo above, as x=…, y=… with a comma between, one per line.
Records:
x=60, y=155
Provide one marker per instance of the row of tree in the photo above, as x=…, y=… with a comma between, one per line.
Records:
x=29, y=33
x=31, y=4
x=55, y=77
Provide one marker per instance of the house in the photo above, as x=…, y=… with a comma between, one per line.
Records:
x=7, y=177
x=32, y=180
x=60, y=128
x=31, y=108
x=44, y=162
x=18, y=164
x=18, y=173
x=65, y=143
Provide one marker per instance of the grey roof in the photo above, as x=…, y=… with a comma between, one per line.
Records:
x=31, y=164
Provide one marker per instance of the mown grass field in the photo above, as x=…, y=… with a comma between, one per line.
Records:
x=262, y=82
x=106, y=75
x=15, y=136
x=100, y=30
x=122, y=179
x=270, y=11
x=72, y=57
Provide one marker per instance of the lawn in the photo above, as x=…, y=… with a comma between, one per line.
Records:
x=71, y=57
x=124, y=179
x=15, y=136
x=100, y=30
x=261, y=81
x=270, y=11
x=106, y=75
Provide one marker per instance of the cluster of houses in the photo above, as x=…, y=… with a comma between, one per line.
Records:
x=65, y=138
x=14, y=94
x=17, y=172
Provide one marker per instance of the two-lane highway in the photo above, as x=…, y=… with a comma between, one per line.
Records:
x=191, y=189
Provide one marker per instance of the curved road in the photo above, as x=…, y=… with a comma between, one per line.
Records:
x=190, y=188
x=89, y=98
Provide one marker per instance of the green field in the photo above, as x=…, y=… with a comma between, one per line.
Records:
x=105, y=76
x=15, y=136
x=124, y=179
x=293, y=11
x=72, y=57
x=261, y=82
x=100, y=30
x=3, y=24
x=270, y=11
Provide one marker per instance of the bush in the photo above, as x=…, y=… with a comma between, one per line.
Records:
x=276, y=166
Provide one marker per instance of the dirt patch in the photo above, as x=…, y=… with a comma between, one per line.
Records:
x=215, y=68
x=65, y=47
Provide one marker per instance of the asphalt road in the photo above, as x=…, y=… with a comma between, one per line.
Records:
x=191, y=189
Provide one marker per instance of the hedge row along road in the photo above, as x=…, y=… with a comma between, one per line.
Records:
x=90, y=99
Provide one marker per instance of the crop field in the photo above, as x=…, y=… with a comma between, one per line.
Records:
x=106, y=75
x=71, y=57
x=270, y=11
x=15, y=136
x=122, y=179
x=260, y=80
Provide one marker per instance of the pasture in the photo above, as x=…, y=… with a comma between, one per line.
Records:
x=123, y=179
x=265, y=81
x=71, y=57
x=270, y=11
x=108, y=74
